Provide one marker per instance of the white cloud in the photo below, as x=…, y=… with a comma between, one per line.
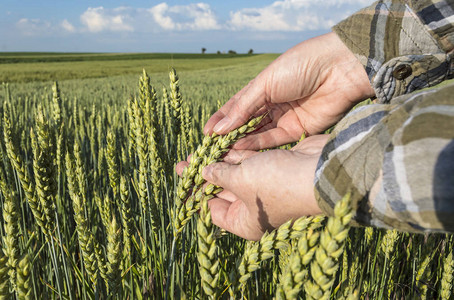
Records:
x=100, y=19
x=158, y=13
x=294, y=15
x=67, y=26
x=33, y=26
x=281, y=16
x=196, y=16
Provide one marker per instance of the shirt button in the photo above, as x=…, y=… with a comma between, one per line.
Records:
x=402, y=71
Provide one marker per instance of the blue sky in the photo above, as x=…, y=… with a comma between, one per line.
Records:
x=166, y=26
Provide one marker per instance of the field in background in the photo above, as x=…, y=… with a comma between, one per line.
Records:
x=25, y=67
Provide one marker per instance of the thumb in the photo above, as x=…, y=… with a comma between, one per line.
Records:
x=243, y=106
x=222, y=174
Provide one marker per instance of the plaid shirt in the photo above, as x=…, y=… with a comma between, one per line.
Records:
x=396, y=158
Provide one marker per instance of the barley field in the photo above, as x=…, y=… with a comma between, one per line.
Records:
x=91, y=207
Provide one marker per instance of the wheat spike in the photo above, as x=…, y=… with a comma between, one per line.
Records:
x=167, y=122
x=113, y=161
x=192, y=205
x=101, y=261
x=388, y=242
x=155, y=163
x=262, y=250
x=4, y=282
x=22, y=171
x=56, y=103
x=209, y=152
x=186, y=181
x=207, y=252
x=296, y=272
x=11, y=215
x=126, y=214
x=175, y=102
x=114, y=257
x=24, y=287
x=86, y=240
x=447, y=276
x=131, y=129
x=43, y=147
x=142, y=153
x=423, y=274
x=331, y=246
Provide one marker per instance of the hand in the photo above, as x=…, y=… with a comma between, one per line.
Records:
x=265, y=189
x=307, y=89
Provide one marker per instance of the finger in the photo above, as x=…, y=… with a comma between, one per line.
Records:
x=217, y=116
x=238, y=156
x=312, y=145
x=222, y=112
x=243, y=107
x=180, y=167
x=230, y=216
x=268, y=139
x=223, y=174
x=227, y=195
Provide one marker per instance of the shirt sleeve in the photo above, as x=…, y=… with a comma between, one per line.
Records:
x=403, y=45
x=396, y=158
x=397, y=162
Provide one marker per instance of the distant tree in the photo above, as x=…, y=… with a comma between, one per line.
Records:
x=219, y=52
x=204, y=50
x=250, y=51
x=232, y=52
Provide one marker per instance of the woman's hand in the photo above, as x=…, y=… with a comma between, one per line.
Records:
x=263, y=190
x=307, y=89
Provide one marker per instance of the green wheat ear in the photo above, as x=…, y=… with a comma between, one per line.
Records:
x=447, y=277
x=295, y=274
x=211, y=150
x=114, y=252
x=4, y=282
x=207, y=255
x=257, y=252
x=330, y=248
x=24, y=274
x=85, y=236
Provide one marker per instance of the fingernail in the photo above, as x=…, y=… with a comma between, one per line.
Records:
x=223, y=124
x=206, y=172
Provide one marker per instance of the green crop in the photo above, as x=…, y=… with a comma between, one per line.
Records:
x=92, y=208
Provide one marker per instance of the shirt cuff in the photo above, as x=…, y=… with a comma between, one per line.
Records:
x=397, y=46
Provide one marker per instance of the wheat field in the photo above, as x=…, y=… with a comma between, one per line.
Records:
x=93, y=209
